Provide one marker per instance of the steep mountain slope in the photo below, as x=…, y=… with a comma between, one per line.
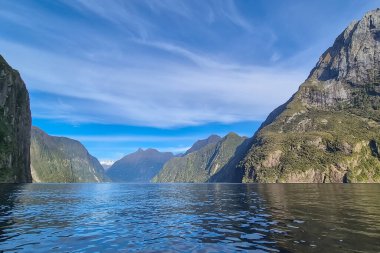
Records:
x=213, y=162
x=15, y=123
x=329, y=130
x=63, y=160
x=201, y=143
x=140, y=166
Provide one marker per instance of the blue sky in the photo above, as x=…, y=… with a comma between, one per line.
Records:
x=119, y=75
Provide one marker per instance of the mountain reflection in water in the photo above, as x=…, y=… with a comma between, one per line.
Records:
x=190, y=217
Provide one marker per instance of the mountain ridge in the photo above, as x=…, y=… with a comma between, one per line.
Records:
x=328, y=131
x=140, y=166
x=203, y=164
x=201, y=143
x=61, y=159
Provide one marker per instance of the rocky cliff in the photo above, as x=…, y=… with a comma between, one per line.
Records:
x=15, y=123
x=140, y=166
x=62, y=160
x=329, y=130
x=213, y=162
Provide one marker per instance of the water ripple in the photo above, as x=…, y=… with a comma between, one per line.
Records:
x=189, y=218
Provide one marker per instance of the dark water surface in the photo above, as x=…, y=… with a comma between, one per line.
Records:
x=189, y=217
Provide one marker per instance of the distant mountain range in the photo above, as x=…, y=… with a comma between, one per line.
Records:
x=60, y=159
x=328, y=132
x=107, y=164
x=207, y=160
x=140, y=166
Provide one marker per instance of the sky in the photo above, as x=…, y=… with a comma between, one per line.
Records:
x=122, y=75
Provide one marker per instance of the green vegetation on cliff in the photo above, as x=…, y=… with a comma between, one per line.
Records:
x=329, y=130
x=15, y=122
x=62, y=160
x=212, y=162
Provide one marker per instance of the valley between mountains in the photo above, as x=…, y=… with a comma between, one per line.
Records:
x=327, y=132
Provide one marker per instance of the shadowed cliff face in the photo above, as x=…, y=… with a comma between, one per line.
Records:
x=140, y=166
x=213, y=162
x=63, y=160
x=329, y=130
x=15, y=123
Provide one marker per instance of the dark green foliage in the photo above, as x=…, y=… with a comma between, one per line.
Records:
x=63, y=160
x=333, y=138
x=213, y=162
x=15, y=122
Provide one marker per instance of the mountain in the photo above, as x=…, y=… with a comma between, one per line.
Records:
x=329, y=130
x=106, y=164
x=15, y=123
x=213, y=162
x=201, y=143
x=63, y=160
x=140, y=166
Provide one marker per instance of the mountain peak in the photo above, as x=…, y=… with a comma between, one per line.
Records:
x=60, y=159
x=326, y=131
x=202, y=143
x=139, y=166
x=232, y=135
x=148, y=151
x=353, y=54
x=212, y=159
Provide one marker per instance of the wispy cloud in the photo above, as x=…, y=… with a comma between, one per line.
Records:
x=122, y=13
x=167, y=96
x=150, y=63
x=164, y=63
x=129, y=138
x=195, y=58
x=233, y=14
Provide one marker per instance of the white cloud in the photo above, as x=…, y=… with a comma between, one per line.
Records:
x=122, y=13
x=107, y=162
x=129, y=138
x=164, y=94
x=275, y=57
x=144, y=79
x=232, y=13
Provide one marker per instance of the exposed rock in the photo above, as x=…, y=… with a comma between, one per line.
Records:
x=15, y=123
x=62, y=160
x=329, y=130
x=273, y=159
x=140, y=166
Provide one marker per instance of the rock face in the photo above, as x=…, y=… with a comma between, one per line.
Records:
x=329, y=130
x=214, y=162
x=140, y=166
x=15, y=123
x=62, y=160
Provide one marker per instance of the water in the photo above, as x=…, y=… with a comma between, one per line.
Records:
x=189, y=218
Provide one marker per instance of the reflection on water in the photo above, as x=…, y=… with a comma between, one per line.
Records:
x=189, y=217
